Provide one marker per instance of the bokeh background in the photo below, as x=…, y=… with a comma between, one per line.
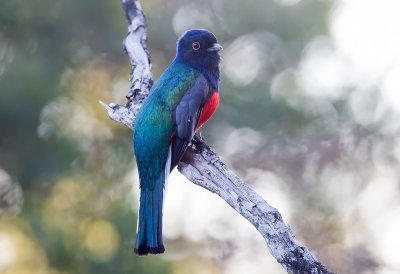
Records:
x=309, y=118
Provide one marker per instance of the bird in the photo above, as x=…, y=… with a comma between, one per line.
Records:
x=184, y=97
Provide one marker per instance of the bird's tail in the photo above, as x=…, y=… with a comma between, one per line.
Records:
x=149, y=234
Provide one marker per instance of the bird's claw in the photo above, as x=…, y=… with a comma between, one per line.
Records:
x=200, y=135
x=198, y=142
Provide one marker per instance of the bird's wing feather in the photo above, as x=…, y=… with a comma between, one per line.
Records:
x=186, y=117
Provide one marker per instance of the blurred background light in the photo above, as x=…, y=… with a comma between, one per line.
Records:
x=324, y=72
x=251, y=56
x=391, y=88
x=287, y=2
x=6, y=54
x=366, y=31
x=11, y=196
x=101, y=239
x=243, y=60
x=191, y=16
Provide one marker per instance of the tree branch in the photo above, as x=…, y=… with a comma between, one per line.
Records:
x=202, y=166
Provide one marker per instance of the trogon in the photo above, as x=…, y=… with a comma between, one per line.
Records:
x=180, y=102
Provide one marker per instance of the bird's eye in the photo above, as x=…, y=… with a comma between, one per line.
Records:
x=196, y=46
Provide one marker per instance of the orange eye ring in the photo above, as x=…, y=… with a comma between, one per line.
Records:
x=196, y=45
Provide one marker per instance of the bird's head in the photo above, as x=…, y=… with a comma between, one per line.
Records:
x=199, y=48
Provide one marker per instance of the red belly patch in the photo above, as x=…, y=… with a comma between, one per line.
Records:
x=209, y=108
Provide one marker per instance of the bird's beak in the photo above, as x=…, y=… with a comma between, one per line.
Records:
x=215, y=47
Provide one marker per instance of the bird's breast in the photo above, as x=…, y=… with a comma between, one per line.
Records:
x=208, y=110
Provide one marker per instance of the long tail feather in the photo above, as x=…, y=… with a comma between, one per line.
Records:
x=149, y=235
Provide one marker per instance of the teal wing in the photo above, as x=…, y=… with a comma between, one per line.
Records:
x=155, y=122
x=186, y=117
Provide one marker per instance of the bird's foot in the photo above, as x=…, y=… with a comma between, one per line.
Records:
x=198, y=142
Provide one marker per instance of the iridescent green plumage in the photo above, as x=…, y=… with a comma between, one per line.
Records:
x=154, y=124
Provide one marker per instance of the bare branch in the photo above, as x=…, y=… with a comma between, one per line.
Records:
x=136, y=48
x=202, y=166
x=141, y=77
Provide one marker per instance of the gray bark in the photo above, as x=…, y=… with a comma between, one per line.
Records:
x=202, y=166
